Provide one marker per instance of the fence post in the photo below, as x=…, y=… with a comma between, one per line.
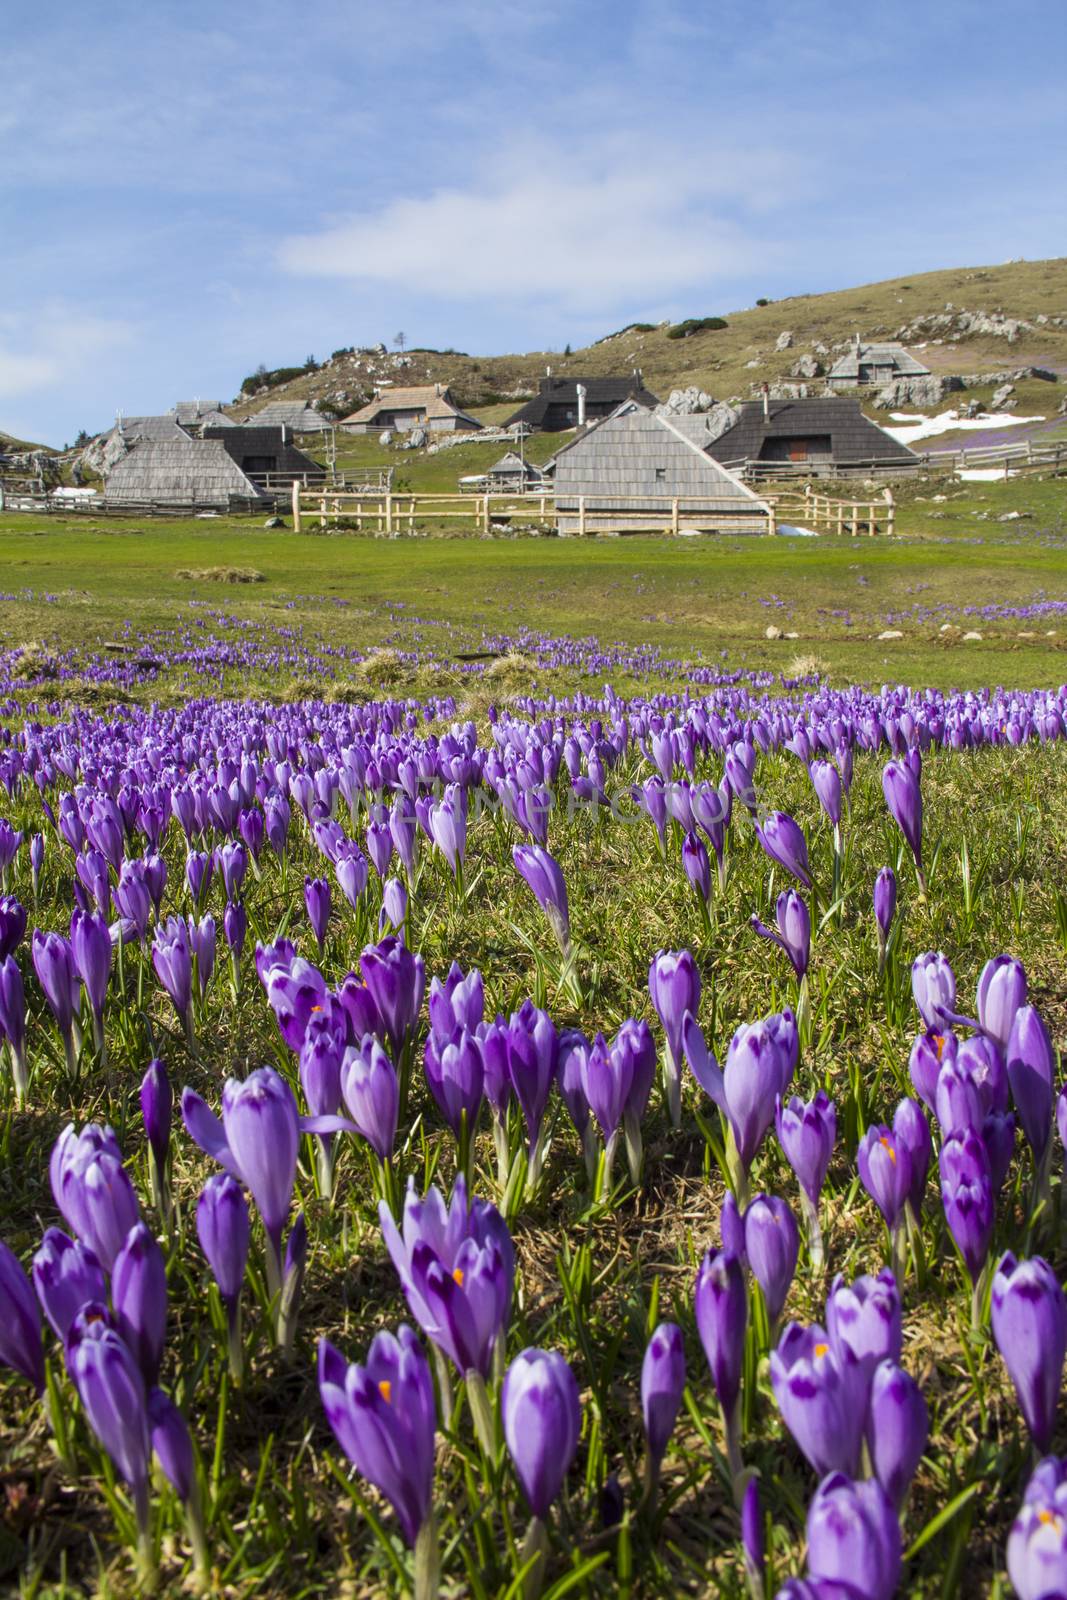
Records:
x=581, y=514
x=485, y=514
x=674, y=515
x=891, y=509
x=389, y=514
x=772, y=519
x=296, y=505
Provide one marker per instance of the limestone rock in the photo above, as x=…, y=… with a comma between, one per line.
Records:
x=784, y=341
x=806, y=367
x=972, y=636
x=1001, y=396
x=772, y=632
x=890, y=633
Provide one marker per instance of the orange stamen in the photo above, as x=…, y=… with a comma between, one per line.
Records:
x=892, y=1153
x=385, y=1389
x=458, y=1275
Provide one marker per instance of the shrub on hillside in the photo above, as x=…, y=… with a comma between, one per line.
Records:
x=686, y=330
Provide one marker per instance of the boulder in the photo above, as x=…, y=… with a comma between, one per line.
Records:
x=784, y=341
x=686, y=402
x=1001, y=396
x=386, y=436
x=891, y=633
x=274, y=522
x=771, y=632
x=417, y=438
x=922, y=391
x=972, y=637
x=806, y=367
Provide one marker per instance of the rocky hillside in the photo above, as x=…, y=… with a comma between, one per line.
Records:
x=977, y=322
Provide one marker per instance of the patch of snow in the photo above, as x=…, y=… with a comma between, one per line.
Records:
x=985, y=474
x=792, y=532
x=913, y=428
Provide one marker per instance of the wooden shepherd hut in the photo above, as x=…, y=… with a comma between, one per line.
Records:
x=638, y=471
x=562, y=403
x=820, y=436
x=874, y=365
x=190, y=474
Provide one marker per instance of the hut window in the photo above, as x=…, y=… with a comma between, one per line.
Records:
x=661, y=474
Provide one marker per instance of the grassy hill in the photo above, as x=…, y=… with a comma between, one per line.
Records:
x=733, y=361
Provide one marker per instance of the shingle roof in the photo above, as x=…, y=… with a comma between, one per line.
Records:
x=195, y=470
x=294, y=414
x=433, y=400
x=157, y=428
x=188, y=411
x=559, y=391
x=854, y=438
x=893, y=356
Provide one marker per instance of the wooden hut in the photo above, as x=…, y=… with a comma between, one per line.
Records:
x=819, y=435
x=296, y=415
x=640, y=471
x=430, y=406
x=873, y=365
x=267, y=455
x=186, y=474
x=193, y=415
x=512, y=472
x=562, y=403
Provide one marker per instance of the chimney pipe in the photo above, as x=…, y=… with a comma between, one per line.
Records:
x=581, y=405
x=766, y=403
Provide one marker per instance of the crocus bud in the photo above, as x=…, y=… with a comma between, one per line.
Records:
x=139, y=1296
x=884, y=1164
x=235, y=926
x=721, y=1308
x=1029, y=1318
x=223, y=1229
x=772, y=1242
x=112, y=1390
x=20, y=1321
x=1031, y=1072
x=696, y=866
x=897, y=1429
x=806, y=1134
x=542, y=1419
x=545, y=877
x=394, y=902
x=885, y=901
x=371, y=1093
x=912, y=1133
x=662, y=1382
x=1001, y=995
x=967, y=1195
x=12, y=925
x=933, y=984
x=171, y=1444
x=157, y=1104
x=674, y=984
x=826, y=781
x=782, y=838
x=903, y=796
x=317, y=900
x=930, y=1052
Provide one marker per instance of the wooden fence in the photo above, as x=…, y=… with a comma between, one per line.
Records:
x=388, y=515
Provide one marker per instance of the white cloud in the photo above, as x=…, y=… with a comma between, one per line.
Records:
x=624, y=221
x=52, y=348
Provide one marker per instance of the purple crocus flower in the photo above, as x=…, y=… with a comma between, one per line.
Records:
x=783, y=840
x=352, y=872
x=132, y=899
x=820, y=1394
x=202, y=946
x=256, y=1141
x=396, y=980
x=53, y=962
x=863, y=1319
x=662, y=1383
x=760, y=1062
x=903, y=796
x=806, y=1134
x=235, y=928
x=456, y=1265
x=1029, y=1318
x=772, y=1243
x=172, y=958
x=545, y=877
x=897, y=1429
x=697, y=866
x=458, y=1002
x=853, y=1540
x=66, y=1276
x=139, y=1296
x=885, y=905
x=607, y=1076
x=674, y=985
x=933, y=984
x=112, y=1390
x=721, y=1308
x=1037, y=1544
x=384, y=1418
x=317, y=902
x=12, y=925
x=171, y=1444
x=752, y=1542
x=92, y=1190
x=1001, y=995
x=826, y=781
x=912, y=1131
x=1031, y=1072
x=884, y=1163
x=394, y=905
x=20, y=1321
x=13, y=1023
x=794, y=930
x=532, y=1056
x=930, y=1052
x=542, y=1419
x=36, y=862
x=157, y=1103
x=371, y=1094
x=223, y=1228
x=455, y=1072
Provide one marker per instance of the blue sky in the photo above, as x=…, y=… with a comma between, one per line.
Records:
x=189, y=189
